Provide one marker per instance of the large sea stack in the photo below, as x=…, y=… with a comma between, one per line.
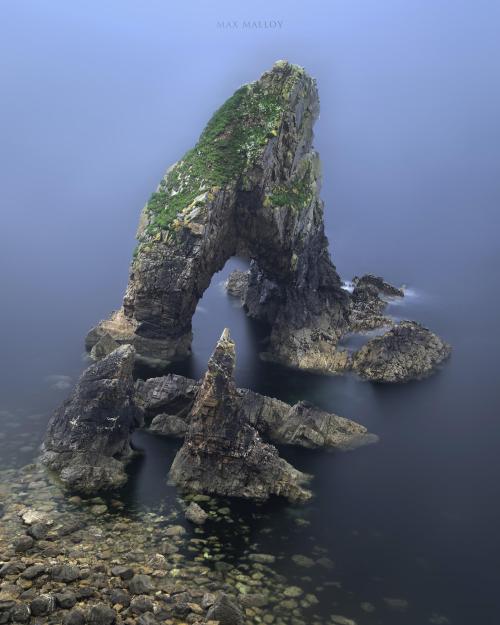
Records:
x=249, y=187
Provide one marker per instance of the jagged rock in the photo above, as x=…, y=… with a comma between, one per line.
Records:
x=237, y=283
x=170, y=394
x=407, y=351
x=222, y=453
x=104, y=346
x=249, y=188
x=169, y=425
x=379, y=284
x=368, y=302
x=302, y=424
x=225, y=612
x=88, y=438
x=308, y=426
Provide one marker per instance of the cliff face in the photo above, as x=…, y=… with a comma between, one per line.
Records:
x=249, y=187
x=222, y=452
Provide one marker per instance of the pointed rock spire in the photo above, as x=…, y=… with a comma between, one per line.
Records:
x=222, y=453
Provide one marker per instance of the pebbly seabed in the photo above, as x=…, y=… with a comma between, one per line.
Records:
x=73, y=560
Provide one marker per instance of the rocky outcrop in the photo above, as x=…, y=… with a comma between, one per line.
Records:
x=369, y=299
x=168, y=401
x=250, y=187
x=407, y=351
x=303, y=424
x=222, y=452
x=379, y=284
x=237, y=283
x=88, y=438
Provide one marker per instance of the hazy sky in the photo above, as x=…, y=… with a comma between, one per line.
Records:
x=98, y=98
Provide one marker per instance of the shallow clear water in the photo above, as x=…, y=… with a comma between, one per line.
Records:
x=96, y=105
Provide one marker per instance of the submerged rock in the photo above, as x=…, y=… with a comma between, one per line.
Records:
x=196, y=514
x=407, y=351
x=225, y=612
x=222, y=453
x=249, y=188
x=88, y=438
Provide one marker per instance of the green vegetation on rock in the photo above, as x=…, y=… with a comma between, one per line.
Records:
x=296, y=195
x=233, y=138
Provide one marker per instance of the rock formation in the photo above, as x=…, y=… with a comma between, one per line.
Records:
x=88, y=438
x=167, y=402
x=222, y=453
x=369, y=300
x=407, y=351
x=237, y=284
x=249, y=187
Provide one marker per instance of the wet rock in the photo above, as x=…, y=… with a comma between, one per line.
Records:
x=75, y=617
x=222, y=452
x=175, y=530
x=20, y=613
x=14, y=567
x=31, y=517
x=148, y=618
x=33, y=571
x=120, y=596
x=141, y=585
x=65, y=573
x=125, y=572
x=262, y=558
x=43, y=605
x=38, y=531
x=303, y=561
x=23, y=543
x=65, y=600
x=408, y=351
x=196, y=514
x=237, y=283
x=338, y=619
x=141, y=604
x=396, y=604
x=101, y=614
x=225, y=611
x=260, y=198
x=88, y=438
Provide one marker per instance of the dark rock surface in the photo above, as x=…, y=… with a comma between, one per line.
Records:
x=369, y=300
x=222, y=453
x=383, y=287
x=225, y=612
x=302, y=424
x=237, y=284
x=88, y=438
x=250, y=188
x=407, y=351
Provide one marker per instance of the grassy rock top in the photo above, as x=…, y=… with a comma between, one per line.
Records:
x=234, y=137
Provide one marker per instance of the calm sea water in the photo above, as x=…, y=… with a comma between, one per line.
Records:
x=97, y=101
